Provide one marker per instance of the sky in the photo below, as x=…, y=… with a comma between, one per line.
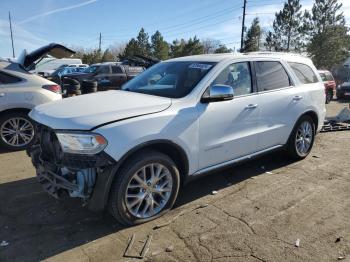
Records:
x=78, y=23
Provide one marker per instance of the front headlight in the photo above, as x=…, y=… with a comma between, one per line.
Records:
x=81, y=143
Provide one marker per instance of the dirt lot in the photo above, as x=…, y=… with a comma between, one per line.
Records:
x=262, y=207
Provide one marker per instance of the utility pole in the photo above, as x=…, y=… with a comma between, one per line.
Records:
x=99, y=45
x=13, y=49
x=243, y=23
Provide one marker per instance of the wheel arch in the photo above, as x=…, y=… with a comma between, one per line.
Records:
x=16, y=109
x=313, y=115
x=102, y=190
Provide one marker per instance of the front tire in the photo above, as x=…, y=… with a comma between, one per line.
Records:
x=16, y=131
x=302, y=138
x=145, y=188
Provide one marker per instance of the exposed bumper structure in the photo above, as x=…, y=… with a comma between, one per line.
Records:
x=68, y=174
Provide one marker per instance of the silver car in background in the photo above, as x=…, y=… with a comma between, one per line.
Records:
x=21, y=91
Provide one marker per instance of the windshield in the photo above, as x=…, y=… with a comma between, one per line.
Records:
x=170, y=79
x=90, y=69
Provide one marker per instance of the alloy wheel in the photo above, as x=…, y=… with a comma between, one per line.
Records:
x=304, y=138
x=17, y=132
x=149, y=190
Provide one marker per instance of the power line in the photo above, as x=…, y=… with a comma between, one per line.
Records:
x=13, y=49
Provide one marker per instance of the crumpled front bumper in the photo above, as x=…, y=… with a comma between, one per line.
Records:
x=67, y=174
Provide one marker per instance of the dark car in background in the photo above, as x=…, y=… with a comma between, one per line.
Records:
x=343, y=90
x=61, y=72
x=108, y=75
x=329, y=84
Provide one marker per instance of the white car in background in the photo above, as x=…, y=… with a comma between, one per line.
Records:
x=21, y=91
x=129, y=150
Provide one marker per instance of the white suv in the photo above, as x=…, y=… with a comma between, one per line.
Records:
x=130, y=150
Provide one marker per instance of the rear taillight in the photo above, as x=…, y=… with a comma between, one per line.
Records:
x=53, y=88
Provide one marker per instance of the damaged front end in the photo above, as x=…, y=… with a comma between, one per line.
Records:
x=63, y=173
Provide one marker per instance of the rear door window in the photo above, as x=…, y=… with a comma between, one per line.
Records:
x=304, y=73
x=8, y=79
x=324, y=77
x=104, y=70
x=116, y=70
x=329, y=77
x=271, y=75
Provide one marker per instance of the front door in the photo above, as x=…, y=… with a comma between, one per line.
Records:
x=227, y=129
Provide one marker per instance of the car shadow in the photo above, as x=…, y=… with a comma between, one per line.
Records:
x=37, y=226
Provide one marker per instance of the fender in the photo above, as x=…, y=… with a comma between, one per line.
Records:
x=105, y=179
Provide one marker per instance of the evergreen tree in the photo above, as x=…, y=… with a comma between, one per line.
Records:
x=252, y=39
x=107, y=56
x=330, y=47
x=193, y=47
x=329, y=40
x=324, y=13
x=160, y=48
x=185, y=48
x=144, y=46
x=222, y=49
x=177, y=47
x=131, y=48
x=270, y=41
x=288, y=27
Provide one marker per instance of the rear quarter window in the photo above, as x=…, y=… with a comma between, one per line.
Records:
x=271, y=75
x=304, y=73
x=329, y=77
x=8, y=79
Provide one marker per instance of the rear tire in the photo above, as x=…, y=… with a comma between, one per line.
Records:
x=329, y=96
x=302, y=138
x=16, y=130
x=127, y=199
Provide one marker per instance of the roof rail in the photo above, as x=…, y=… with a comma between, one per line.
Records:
x=274, y=53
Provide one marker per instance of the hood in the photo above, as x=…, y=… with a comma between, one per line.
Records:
x=55, y=50
x=88, y=111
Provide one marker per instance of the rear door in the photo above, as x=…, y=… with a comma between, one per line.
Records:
x=118, y=77
x=103, y=76
x=280, y=103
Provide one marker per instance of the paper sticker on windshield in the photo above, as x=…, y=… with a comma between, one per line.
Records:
x=200, y=66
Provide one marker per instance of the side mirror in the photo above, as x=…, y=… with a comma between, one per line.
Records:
x=217, y=93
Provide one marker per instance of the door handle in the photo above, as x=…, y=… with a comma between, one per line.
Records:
x=297, y=98
x=251, y=106
x=2, y=94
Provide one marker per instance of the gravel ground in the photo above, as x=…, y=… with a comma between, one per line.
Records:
x=261, y=208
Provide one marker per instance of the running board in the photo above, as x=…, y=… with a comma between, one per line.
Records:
x=236, y=160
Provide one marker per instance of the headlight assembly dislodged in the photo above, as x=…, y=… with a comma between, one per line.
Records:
x=81, y=143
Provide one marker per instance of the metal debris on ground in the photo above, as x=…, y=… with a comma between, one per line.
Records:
x=169, y=248
x=214, y=192
x=144, y=249
x=338, y=239
x=297, y=242
x=269, y=173
x=4, y=243
x=340, y=122
x=341, y=257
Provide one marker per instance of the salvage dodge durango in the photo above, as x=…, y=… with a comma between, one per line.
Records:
x=129, y=150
